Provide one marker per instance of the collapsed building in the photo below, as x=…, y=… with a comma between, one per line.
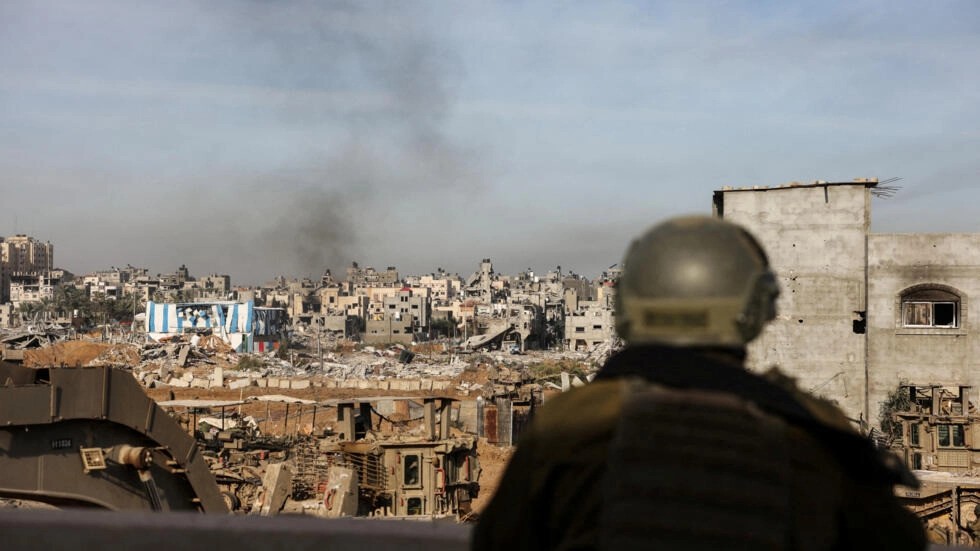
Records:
x=383, y=456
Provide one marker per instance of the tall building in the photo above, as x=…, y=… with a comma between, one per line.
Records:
x=23, y=255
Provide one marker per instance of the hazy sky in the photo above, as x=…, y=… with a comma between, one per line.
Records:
x=267, y=138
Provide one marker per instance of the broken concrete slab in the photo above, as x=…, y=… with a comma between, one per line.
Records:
x=239, y=383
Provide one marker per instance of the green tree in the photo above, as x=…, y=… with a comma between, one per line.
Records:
x=441, y=328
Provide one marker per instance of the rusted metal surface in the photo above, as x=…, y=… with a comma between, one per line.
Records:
x=91, y=436
x=490, y=423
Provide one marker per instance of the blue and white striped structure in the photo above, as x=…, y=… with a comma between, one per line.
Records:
x=232, y=321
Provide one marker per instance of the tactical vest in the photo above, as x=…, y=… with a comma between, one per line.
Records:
x=696, y=469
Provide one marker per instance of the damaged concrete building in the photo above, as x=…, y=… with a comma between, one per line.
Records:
x=860, y=313
x=23, y=258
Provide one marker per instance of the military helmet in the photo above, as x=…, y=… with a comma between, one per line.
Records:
x=695, y=281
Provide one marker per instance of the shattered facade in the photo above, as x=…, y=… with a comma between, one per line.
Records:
x=589, y=326
x=31, y=287
x=370, y=277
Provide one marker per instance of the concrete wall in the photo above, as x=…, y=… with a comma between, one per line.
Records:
x=921, y=356
x=592, y=325
x=388, y=330
x=816, y=240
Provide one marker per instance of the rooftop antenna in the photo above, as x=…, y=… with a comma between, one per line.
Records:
x=884, y=189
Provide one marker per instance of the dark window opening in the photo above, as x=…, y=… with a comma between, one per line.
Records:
x=914, y=434
x=917, y=461
x=414, y=506
x=944, y=314
x=860, y=323
x=950, y=436
x=411, y=473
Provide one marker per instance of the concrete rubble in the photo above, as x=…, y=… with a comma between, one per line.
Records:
x=206, y=362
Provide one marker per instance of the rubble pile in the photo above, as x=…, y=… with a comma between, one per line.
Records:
x=119, y=355
x=206, y=361
x=34, y=336
x=602, y=352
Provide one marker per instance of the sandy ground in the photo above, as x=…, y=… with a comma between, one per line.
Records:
x=79, y=353
x=493, y=462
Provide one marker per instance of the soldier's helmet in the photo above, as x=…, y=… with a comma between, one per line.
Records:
x=695, y=281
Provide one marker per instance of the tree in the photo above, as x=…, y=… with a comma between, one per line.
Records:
x=442, y=327
x=898, y=400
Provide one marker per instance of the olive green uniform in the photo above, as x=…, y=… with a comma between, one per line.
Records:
x=717, y=456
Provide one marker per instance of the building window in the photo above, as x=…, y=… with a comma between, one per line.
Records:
x=411, y=472
x=950, y=436
x=914, y=434
x=414, y=506
x=580, y=330
x=930, y=307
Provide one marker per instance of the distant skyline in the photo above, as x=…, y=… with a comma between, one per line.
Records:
x=262, y=139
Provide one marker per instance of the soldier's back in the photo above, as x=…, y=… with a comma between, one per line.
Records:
x=627, y=463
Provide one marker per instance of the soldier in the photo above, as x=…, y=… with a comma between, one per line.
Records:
x=676, y=445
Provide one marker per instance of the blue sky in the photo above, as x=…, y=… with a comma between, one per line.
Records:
x=266, y=138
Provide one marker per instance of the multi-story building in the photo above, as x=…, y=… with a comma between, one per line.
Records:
x=443, y=286
x=31, y=287
x=369, y=277
x=25, y=256
x=411, y=305
x=588, y=326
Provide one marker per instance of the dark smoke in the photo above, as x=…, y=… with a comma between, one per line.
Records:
x=395, y=76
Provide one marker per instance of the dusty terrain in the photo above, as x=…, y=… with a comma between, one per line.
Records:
x=276, y=418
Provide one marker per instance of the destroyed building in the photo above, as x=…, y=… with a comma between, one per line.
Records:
x=369, y=277
x=590, y=325
x=32, y=287
x=860, y=313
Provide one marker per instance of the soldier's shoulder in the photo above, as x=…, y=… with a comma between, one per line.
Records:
x=822, y=410
x=585, y=410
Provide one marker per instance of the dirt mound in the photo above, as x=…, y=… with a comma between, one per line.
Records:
x=493, y=462
x=80, y=353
